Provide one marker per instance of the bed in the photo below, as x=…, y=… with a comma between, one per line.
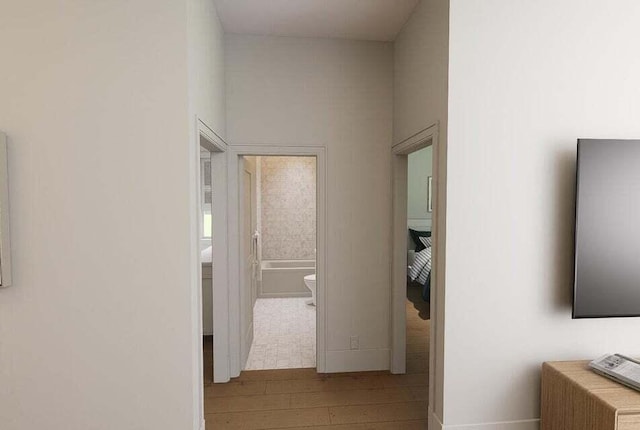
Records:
x=419, y=261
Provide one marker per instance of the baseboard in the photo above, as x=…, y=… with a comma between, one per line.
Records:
x=434, y=422
x=357, y=360
x=532, y=424
x=297, y=295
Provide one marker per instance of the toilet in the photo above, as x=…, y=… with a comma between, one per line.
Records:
x=310, y=282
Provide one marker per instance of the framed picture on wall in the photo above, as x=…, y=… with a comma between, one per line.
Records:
x=429, y=195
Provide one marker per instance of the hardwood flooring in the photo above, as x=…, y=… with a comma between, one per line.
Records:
x=301, y=399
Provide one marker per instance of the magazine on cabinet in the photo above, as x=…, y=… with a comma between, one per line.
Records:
x=620, y=368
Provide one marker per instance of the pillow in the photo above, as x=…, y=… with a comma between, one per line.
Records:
x=416, y=235
x=426, y=241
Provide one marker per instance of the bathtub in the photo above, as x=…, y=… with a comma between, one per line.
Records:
x=285, y=278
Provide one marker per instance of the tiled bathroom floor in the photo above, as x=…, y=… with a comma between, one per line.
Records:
x=284, y=335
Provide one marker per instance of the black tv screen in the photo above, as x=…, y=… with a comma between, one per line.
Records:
x=607, y=236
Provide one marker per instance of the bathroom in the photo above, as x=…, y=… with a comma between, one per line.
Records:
x=279, y=232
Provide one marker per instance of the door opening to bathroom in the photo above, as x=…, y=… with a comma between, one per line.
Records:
x=278, y=243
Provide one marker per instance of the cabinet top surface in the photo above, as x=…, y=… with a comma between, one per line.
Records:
x=623, y=399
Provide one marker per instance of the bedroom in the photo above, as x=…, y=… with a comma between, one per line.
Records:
x=419, y=223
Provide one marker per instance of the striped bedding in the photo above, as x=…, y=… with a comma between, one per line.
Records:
x=421, y=267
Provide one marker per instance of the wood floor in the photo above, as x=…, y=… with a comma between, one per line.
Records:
x=298, y=399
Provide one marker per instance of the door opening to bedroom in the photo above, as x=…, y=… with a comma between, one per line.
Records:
x=278, y=260
x=419, y=221
x=206, y=261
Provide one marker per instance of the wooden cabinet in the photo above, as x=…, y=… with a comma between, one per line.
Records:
x=629, y=422
x=576, y=398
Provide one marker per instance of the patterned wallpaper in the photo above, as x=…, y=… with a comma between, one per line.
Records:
x=288, y=207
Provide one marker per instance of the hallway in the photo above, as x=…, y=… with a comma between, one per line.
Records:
x=304, y=399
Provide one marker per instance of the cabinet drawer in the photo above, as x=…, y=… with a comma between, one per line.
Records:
x=629, y=422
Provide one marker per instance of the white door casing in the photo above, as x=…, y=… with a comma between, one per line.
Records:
x=211, y=141
x=235, y=188
x=204, y=137
x=248, y=215
x=426, y=137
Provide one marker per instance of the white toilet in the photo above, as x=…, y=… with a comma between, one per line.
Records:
x=310, y=282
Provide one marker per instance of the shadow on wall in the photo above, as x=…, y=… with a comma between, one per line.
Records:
x=562, y=226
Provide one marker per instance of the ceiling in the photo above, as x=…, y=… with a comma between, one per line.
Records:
x=347, y=19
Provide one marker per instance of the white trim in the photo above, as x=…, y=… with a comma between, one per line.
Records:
x=201, y=135
x=5, y=230
x=245, y=296
x=213, y=142
x=434, y=422
x=399, y=246
x=422, y=139
x=399, y=243
x=415, y=141
x=206, y=137
x=233, y=329
x=530, y=424
x=220, y=257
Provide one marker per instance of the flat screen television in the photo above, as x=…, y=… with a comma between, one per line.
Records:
x=607, y=231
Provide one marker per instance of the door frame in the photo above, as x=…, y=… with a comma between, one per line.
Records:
x=399, y=168
x=234, y=309
x=207, y=138
x=203, y=136
x=245, y=296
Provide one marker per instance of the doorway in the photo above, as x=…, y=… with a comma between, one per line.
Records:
x=206, y=261
x=210, y=244
x=401, y=361
x=419, y=256
x=411, y=235
x=278, y=249
x=241, y=324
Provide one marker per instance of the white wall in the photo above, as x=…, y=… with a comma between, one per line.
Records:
x=207, y=103
x=419, y=168
x=206, y=61
x=526, y=80
x=338, y=94
x=420, y=70
x=96, y=331
x=420, y=100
